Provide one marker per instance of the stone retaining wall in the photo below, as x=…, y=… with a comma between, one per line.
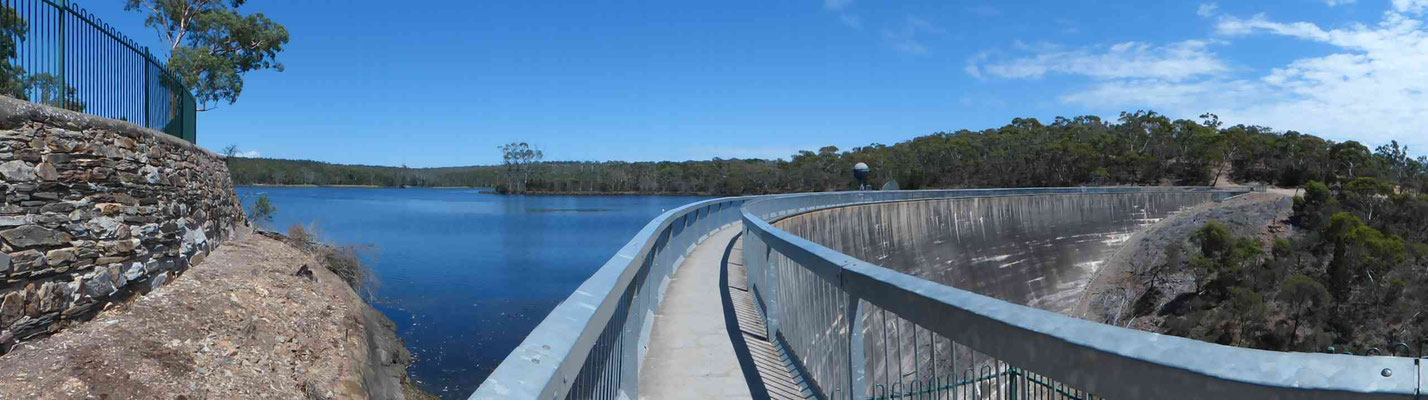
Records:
x=96, y=210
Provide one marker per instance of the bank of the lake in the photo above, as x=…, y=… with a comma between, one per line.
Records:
x=465, y=275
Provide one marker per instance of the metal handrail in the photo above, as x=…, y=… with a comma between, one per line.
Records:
x=591, y=345
x=1107, y=360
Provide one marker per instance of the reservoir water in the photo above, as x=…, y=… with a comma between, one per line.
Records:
x=467, y=275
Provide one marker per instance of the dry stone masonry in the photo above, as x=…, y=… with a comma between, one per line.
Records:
x=96, y=210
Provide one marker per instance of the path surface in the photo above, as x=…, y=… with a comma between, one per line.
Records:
x=774, y=368
x=690, y=355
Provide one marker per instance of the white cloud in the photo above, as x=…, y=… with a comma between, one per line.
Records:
x=908, y=37
x=1129, y=60
x=1260, y=24
x=249, y=154
x=1333, y=3
x=1207, y=9
x=1410, y=6
x=1371, y=87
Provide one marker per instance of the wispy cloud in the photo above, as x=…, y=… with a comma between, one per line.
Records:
x=1410, y=6
x=908, y=38
x=1207, y=9
x=1369, y=86
x=1129, y=60
x=249, y=154
x=841, y=7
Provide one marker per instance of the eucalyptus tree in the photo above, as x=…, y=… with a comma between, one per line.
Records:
x=518, y=159
x=211, y=44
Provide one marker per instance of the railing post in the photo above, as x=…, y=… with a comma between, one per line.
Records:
x=148, y=107
x=64, y=84
x=857, y=359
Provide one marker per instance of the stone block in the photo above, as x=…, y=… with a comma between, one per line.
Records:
x=33, y=236
x=17, y=171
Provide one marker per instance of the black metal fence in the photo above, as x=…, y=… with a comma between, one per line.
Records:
x=57, y=54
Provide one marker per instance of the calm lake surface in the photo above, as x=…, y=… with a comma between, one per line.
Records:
x=467, y=275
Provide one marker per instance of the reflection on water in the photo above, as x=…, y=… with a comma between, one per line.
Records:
x=466, y=275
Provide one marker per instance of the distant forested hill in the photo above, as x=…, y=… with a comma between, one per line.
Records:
x=1142, y=148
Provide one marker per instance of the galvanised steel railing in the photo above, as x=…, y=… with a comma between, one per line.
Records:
x=820, y=306
x=826, y=309
x=592, y=344
x=55, y=53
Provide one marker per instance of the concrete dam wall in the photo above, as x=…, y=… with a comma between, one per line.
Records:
x=1038, y=251
x=96, y=210
x=1035, y=250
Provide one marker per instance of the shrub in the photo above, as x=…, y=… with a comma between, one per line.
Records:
x=263, y=210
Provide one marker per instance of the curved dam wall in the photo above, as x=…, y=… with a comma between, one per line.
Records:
x=1035, y=250
x=96, y=210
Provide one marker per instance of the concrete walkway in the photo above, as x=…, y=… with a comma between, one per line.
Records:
x=690, y=355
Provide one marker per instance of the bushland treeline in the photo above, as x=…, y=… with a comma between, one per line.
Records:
x=1350, y=277
x=1140, y=148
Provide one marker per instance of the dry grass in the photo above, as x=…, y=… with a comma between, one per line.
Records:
x=343, y=260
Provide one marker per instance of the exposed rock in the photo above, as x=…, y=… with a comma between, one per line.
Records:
x=12, y=307
x=17, y=171
x=46, y=171
x=27, y=260
x=158, y=281
x=61, y=256
x=135, y=272
x=108, y=228
x=33, y=235
x=10, y=221
x=91, y=205
x=99, y=285
x=236, y=327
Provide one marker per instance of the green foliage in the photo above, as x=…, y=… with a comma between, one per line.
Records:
x=212, y=45
x=13, y=29
x=1214, y=239
x=1305, y=298
x=1317, y=194
x=1140, y=148
x=1248, y=308
x=263, y=210
x=15, y=82
x=517, y=158
x=1282, y=248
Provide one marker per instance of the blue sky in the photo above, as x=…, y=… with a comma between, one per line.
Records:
x=441, y=83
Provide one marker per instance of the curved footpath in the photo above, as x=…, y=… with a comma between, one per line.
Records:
x=238, y=325
x=690, y=354
x=708, y=339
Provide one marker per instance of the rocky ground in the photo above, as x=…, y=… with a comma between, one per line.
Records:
x=1142, y=262
x=239, y=325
